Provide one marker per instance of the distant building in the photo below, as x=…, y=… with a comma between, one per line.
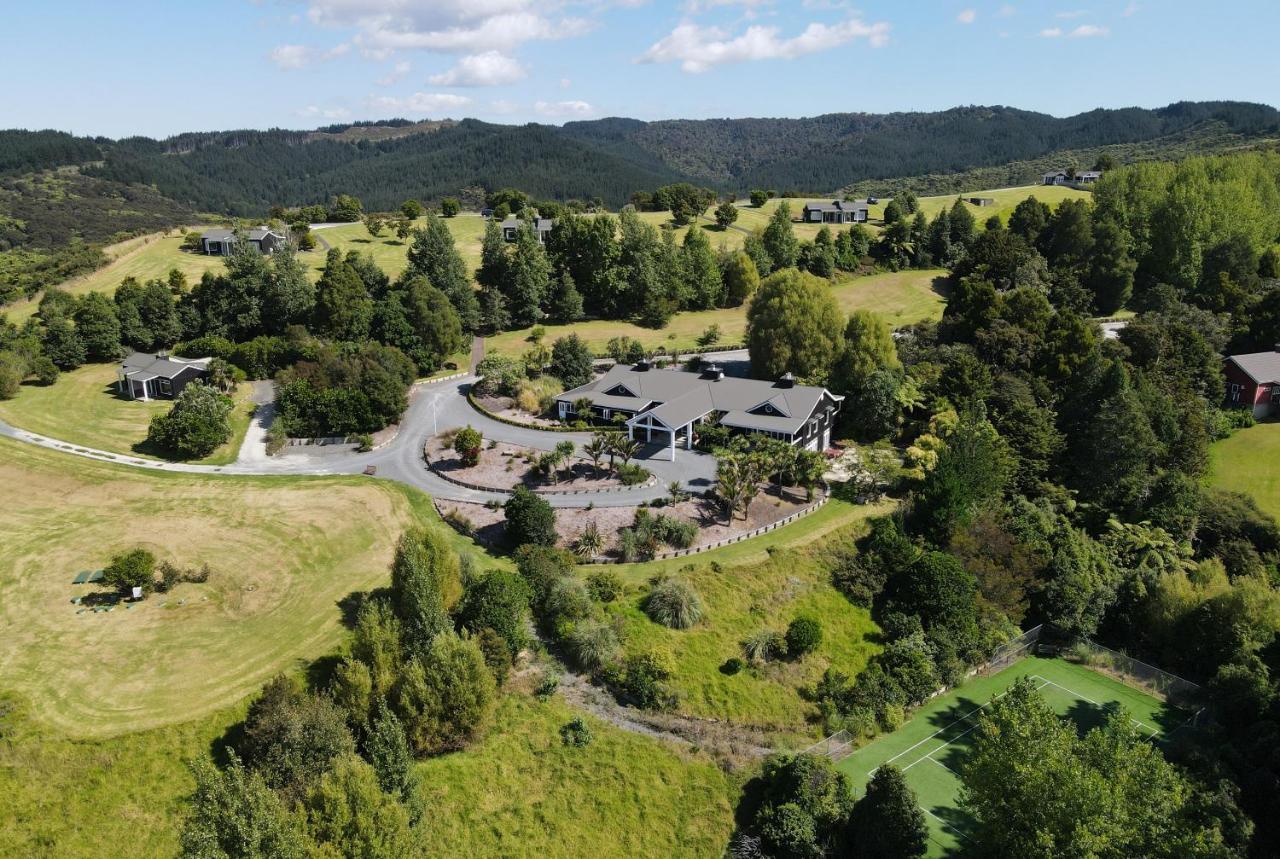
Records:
x=674, y=403
x=221, y=241
x=541, y=228
x=835, y=212
x=981, y=201
x=1253, y=382
x=1062, y=177
x=143, y=376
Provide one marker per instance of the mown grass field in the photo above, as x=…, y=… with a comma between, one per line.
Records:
x=522, y=793
x=932, y=747
x=284, y=551
x=1249, y=462
x=742, y=600
x=83, y=408
x=900, y=297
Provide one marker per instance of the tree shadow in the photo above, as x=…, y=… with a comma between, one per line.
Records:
x=232, y=739
x=362, y=241
x=941, y=286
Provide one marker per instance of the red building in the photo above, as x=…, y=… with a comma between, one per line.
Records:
x=1253, y=382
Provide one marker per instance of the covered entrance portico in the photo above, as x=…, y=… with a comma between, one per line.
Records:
x=648, y=423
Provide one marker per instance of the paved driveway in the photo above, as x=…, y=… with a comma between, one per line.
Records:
x=435, y=407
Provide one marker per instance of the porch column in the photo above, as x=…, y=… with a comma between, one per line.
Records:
x=673, y=445
x=648, y=431
x=688, y=436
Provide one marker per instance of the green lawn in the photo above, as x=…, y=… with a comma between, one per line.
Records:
x=522, y=793
x=519, y=792
x=1249, y=462
x=900, y=297
x=742, y=600
x=83, y=408
x=931, y=748
x=284, y=552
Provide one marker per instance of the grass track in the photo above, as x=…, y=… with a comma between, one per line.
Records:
x=931, y=748
x=1249, y=462
x=900, y=297
x=285, y=551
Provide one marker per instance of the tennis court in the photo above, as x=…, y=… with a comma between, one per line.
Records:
x=931, y=748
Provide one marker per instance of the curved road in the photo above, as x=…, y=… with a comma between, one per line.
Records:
x=435, y=407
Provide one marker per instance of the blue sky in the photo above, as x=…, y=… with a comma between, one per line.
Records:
x=156, y=68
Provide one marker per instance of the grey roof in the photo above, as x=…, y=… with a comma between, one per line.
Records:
x=1262, y=367
x=541, y=225
x=684, y=397
x=142, y=366
x=221, y=234
x=836, y=205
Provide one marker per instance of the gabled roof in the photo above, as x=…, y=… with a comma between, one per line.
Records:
x=836, y=205
x=221, y=234
x=142, y=366
x=683, y=397
x=540, y=225
x=1262, y=367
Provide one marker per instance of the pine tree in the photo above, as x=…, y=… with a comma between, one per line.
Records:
x=434, y=255
x=1111, y=268
x=387, y=749
x=423, y=575
x=527, y=278
x=887, y=822
x=962, y=224
x=780, y=239
x=740, y=279
x=701, y=274
x=343, y=308
x=565, y=303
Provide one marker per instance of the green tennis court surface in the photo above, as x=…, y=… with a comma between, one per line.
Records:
x=931, y=748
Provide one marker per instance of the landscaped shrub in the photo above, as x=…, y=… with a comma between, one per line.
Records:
x=732, y=666
x=467, y=443
x=129, y=570
x=530, y=519
x=641, y=680
x=497, y=600
x=631, y=474
x=460, y=523
x=590, y=542
x=363, y=442
x=567, y=600
x=804, y=634
x=196, y=424
x=575, y=733
x=499, y=375
x=605, y=586
x=765, y=645
x=593, y=643
x=628, y=545
x=674, y=603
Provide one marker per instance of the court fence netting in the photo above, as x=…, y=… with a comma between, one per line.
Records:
x=1154, y=681
x=838, y=746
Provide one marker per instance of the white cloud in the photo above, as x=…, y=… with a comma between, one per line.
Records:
x=1131, y=10
x=397, y=73
x=491, y=68
x=698, y=49
x=314, y=111
x=300, y=56
x=1051, y=32
x=420, y=102
x=463, y=26
x=1089, y=31
x=968, y=16
x=563, y=108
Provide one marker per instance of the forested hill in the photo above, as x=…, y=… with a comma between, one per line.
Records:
x=839, y=149
x=245, y=172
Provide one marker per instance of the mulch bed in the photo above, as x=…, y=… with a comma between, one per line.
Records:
x=765, y=509
x=505, y=467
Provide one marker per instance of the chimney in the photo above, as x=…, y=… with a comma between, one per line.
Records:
x=713, y=372
x=787, y=380
x=642, y=364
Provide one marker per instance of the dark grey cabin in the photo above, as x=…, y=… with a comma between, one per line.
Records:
x=143, y=376
x=835, y=212
x=221, y=241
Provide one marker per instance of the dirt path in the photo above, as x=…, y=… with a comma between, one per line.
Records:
x=724, y=739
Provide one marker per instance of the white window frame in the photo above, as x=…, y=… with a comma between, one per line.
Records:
x=1235, y=392
x=166, y=387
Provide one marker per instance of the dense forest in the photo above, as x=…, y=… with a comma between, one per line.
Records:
x=244, y=172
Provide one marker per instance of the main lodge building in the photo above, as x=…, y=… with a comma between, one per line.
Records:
x=675, y=403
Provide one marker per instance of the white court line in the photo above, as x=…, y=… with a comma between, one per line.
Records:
x=1154, y=731
x=941, y=764
x=956, y=722
x=963, y=837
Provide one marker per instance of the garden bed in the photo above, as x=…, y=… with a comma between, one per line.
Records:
x=706, y=514
x=507, y=466
x=505, y=408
